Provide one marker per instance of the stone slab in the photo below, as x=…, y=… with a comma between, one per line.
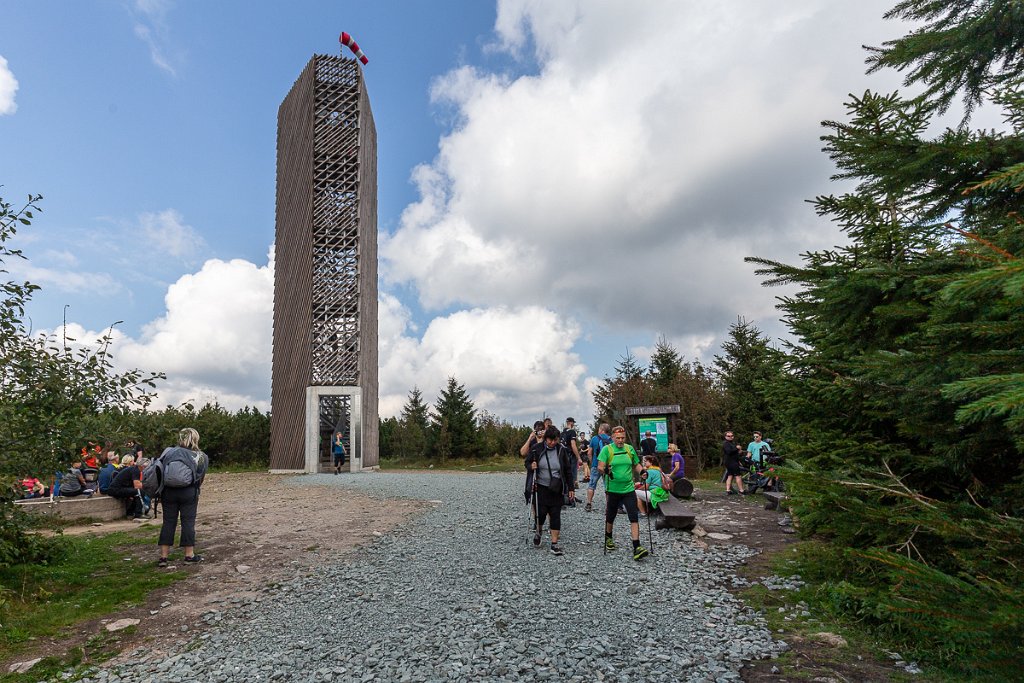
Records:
x=98, y=507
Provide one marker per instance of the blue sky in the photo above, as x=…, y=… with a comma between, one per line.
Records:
x=558, y=182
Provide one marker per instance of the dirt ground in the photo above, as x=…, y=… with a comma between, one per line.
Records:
x=251, y=531
x=746, y=520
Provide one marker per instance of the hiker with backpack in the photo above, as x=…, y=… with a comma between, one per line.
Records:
x=176, y=477
x=549, y=462
x=569, y=437
x=618, y=462
x=597, y=444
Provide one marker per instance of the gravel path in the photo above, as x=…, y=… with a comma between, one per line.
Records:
x=462, y=594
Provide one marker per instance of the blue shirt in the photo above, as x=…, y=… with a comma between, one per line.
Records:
x=755, y=448
x=596, y=445
x=654, y=479
x=106, y=475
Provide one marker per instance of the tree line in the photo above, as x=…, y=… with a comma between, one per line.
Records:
x=730, y=393
x=450, y=429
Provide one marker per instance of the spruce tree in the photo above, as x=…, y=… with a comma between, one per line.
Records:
x=666, y=363
x=454, y=422
x=903, y=404
x=413, y=429
x=750, y=370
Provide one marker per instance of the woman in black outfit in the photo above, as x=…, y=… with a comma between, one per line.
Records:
x=551, y=464
x=182, y=500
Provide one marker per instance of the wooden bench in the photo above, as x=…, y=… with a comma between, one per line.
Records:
x=774, y=499
x=672, y=514
x=99, y=507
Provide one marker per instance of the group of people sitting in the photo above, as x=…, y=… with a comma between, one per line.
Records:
x=99, y=469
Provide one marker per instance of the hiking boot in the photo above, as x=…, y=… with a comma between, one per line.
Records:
x=609, y=544
x=536, y=538
x=589, y=508
x=730, y=492
x=194, y=559
x=640, y=553
x=557, y=550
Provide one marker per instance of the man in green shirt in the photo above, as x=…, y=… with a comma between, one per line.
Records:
x=617, y=462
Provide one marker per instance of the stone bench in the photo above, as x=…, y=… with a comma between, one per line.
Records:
x=99, y=507
x=774, y=499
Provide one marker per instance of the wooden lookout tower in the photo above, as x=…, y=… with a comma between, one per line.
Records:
x=324, y=376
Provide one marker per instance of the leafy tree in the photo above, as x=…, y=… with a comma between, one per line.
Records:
x=499, y=437
x=750, y=370
x=454, y=423
x=669, y=380
x=52, y=393
x=904, y=401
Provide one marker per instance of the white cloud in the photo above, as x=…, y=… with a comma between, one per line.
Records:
x=65, y=278
x=8, y=88
x=515, y=362
x=151, y=28
x=213, y=341
x=658, y=144
x=169, y=234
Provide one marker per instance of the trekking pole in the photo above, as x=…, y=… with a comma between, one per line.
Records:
x=650, y=511
x=536, y=508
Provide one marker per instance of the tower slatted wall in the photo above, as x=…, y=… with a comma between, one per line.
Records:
x=325, y=291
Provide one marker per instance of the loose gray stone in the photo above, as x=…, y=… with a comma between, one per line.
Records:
x=460, y=593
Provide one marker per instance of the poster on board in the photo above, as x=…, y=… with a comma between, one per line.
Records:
x=658, y=427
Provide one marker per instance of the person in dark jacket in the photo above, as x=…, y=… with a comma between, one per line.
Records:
x=107, y=472
x=183, y=499
x=126, y=485
x=550, y=462
x=733, y=469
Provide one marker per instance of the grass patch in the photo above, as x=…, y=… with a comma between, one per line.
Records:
x=95, y=577
x=501, y=464
x=861, y=640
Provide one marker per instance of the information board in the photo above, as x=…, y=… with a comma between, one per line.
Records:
x=658, y=427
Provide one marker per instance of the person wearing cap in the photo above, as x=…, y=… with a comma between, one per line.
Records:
x=618, y=462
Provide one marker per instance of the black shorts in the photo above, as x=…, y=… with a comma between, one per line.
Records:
x=734, y=469
x=627, y=500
